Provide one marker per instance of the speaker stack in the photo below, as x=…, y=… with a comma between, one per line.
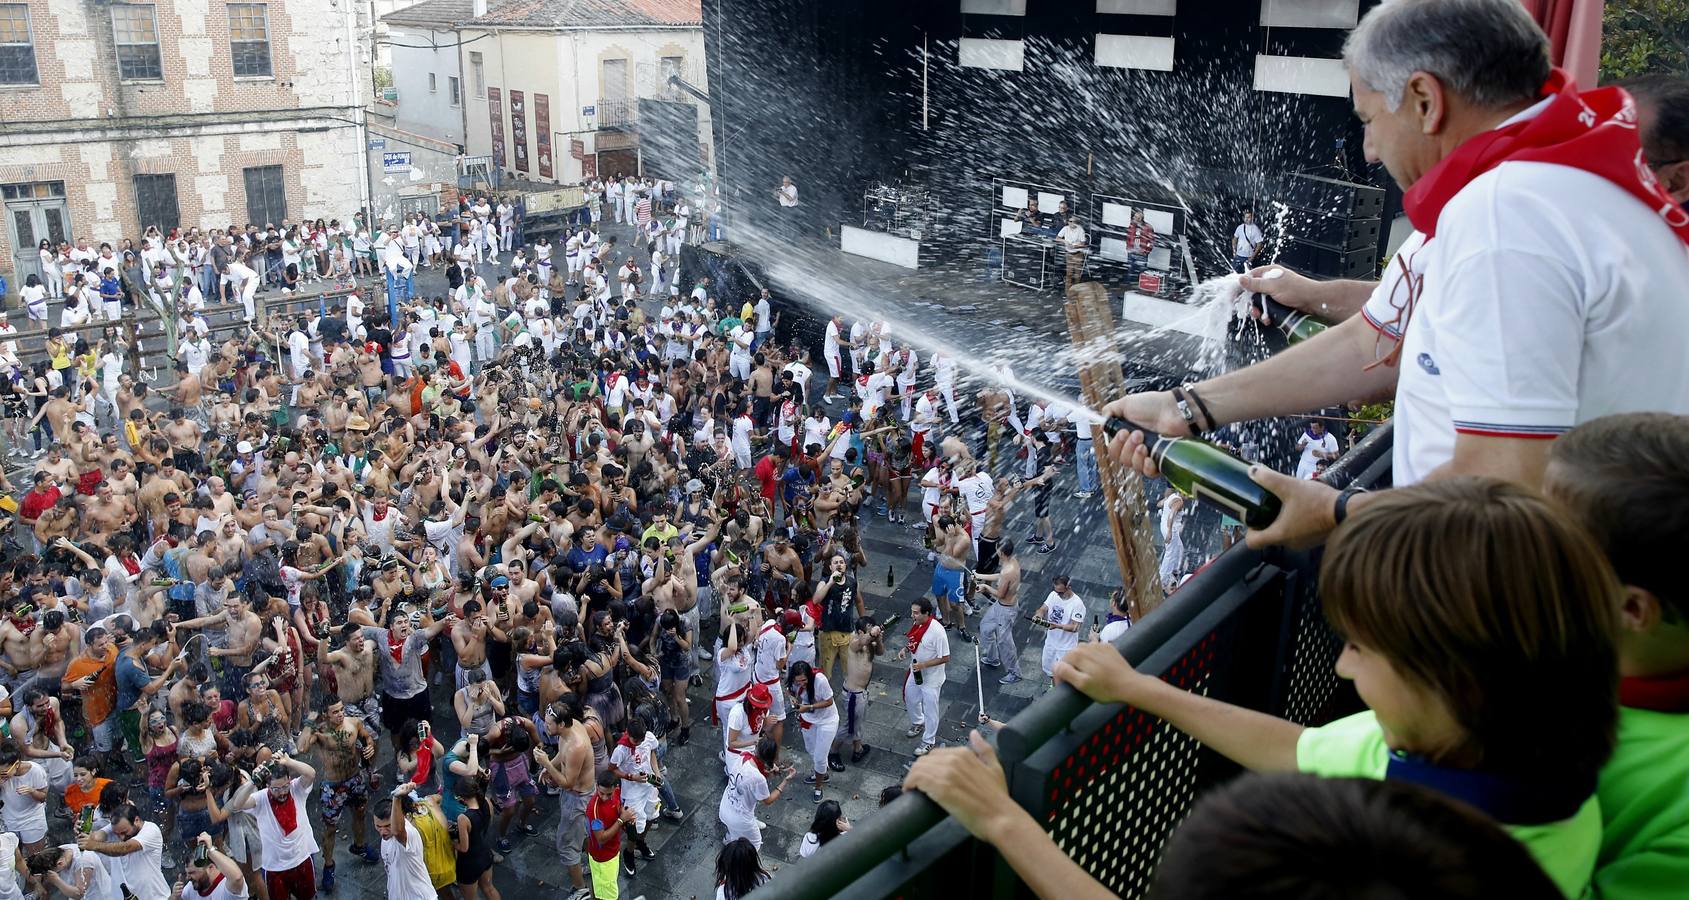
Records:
x=1333, y=227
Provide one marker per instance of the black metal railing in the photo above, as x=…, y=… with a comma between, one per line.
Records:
x=1109, y=782
x=617, y=113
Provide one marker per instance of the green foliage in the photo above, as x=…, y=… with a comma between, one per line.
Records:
x=1644, y=37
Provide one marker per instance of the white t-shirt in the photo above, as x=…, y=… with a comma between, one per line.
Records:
x=789, y=195
x=1248, y=237
x=746, y=787
x=771, y=649
x=407, y=874
x=284, y=851
x=810, y=844
x=1115, y=629
x=823, y=693
x=977, y=490
x=1072, y=237
x=934, y=645
x=1325, y=443
x=1059, y=611
x=219, y=891
x=24, y=815
x=1544, y=288
x=142, y=870
x=830, y=341
x=9, y=889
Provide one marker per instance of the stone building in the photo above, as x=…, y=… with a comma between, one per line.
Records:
x=117, y=115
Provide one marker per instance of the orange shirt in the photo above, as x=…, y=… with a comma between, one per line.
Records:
x=76, y=797
x=97, y=701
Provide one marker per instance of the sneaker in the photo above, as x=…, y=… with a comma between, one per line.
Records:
x=581, y=894
x=932, y=556
x=1048, y=548
x=857, y=756
x=923, y=750
x=1010, y=678
x=627, y=864
x=815, y=797
x=1082, y=495
x=990, y=663
x=328, y=880
x=674, y=815
x=1033, y=538
x=809, y=779
x=681, y=739
x=646, y=853
x=915, y=730
x=504, y=846
x=965, y=635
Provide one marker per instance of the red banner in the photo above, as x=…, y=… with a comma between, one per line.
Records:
x=589, y=167
x=577, y=148
x=519, y=130
x=495, y=112
x=542, y=133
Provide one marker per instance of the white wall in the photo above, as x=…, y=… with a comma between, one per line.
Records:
x=420, y=110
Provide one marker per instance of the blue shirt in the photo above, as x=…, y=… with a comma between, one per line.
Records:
x=110, y=290
x=581, y=560
x=132, y=677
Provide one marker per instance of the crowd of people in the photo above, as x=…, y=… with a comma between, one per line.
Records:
x=596, y=506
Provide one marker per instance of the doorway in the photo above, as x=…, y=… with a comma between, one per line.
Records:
x=34, y=211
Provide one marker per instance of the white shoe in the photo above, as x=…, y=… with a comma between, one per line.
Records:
x=923, y=750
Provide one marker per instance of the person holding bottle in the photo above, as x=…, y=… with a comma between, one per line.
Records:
x=928, y=650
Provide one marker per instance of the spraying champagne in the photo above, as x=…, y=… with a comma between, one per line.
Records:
x=1201, y=470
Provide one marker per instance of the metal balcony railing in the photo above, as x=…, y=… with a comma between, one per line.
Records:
x=620, y=112
x=1110, y=782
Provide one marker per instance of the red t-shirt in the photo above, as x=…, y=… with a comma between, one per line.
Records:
x=765, y=475
x=601, y=814
x=37, y=502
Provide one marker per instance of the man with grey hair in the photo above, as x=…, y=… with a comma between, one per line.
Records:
x=1662, y=106
x=1547, y=266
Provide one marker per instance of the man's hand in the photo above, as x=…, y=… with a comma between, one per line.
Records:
x=1295, y=291
x=1308, y=515
x=968, y=782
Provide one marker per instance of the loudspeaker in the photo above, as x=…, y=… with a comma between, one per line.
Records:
x=1344, y=199
x=668, y=140
x=1314, y=259
x=1335, y=232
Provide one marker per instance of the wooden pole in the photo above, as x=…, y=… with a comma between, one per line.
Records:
x=1091, y=325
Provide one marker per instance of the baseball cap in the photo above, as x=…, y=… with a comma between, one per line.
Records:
x=500, y=581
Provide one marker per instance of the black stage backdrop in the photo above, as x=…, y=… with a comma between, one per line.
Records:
x=836, y=93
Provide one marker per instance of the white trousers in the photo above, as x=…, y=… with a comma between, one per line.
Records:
x=922, y=701
x=818, y=741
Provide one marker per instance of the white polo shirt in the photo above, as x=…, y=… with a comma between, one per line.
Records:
x=1550, y=297
x=935, y=644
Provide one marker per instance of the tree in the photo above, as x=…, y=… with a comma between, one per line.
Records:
x=1644, y=37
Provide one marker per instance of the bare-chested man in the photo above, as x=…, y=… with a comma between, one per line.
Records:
x=996, y=628
x=866, y=642
x=469, y=639
x=954, y=547
x=572, y=768
x=244, y=628
x=354, y=676
x=17, y=652
x=346, y=748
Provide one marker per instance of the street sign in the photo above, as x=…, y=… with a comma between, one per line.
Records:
x=378, y=143
x=589, y=111
x=397, y=161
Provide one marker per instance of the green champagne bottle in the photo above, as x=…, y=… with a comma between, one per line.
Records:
x=1201, y=470
x=1297, y=326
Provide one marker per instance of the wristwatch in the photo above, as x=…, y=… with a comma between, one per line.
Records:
x=1340, y=507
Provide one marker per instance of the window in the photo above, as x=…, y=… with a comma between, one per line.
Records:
x=431, y=85
x=478, y=73
x=670, y=66
x=134, y=29
x=266, y=195
x=155, y=201
x=249, y=39
x=613, y=80
x=17, y=50
x=454, y=89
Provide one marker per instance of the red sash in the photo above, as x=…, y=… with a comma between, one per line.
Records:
x=286, y=812
x=916, y=632
x=1595, y=131
x=1665, y=693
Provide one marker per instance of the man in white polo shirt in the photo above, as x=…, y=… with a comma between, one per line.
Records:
x=1543, y=287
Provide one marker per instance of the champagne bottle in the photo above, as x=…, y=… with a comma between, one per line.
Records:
x=1297, y=326
x=889, y=577
x=85, y=822
x=1201, y=470
x=202, y=855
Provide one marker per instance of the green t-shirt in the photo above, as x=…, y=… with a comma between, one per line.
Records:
x=1354, y=747
x=1644, y=793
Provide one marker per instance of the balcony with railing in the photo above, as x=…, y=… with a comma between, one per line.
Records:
x=1109, y=782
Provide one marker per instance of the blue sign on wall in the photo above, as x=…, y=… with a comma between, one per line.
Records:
x=397, y=161
x=378, y=143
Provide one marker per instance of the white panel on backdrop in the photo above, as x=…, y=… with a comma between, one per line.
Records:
x=1135, y=51
x=1311, y=13
x=1014, y=198
x=1301, y=75
x=1159, y=219
x=1138, y=7
x=1008, y=227
x=979, y=53
x=1112, y=248
x=1117, y=214
x=995, y=7
x=1048, y=202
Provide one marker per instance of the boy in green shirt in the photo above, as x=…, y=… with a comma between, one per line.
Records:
x=1479, y=624
x=1626, y=477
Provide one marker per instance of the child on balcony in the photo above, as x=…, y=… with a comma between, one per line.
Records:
x=1626, y=478
x=1480, y=627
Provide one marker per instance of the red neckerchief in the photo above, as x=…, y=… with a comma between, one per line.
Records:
x=753, y=716
x=1595, y=131
x=286, y=812
x=1663, y=693
x=752, y=758
x=397, y=649
x=25, y=627
x=916, y=632
x=47, y=722
x=380, y=514
x=216, y=880
x=131, y=564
